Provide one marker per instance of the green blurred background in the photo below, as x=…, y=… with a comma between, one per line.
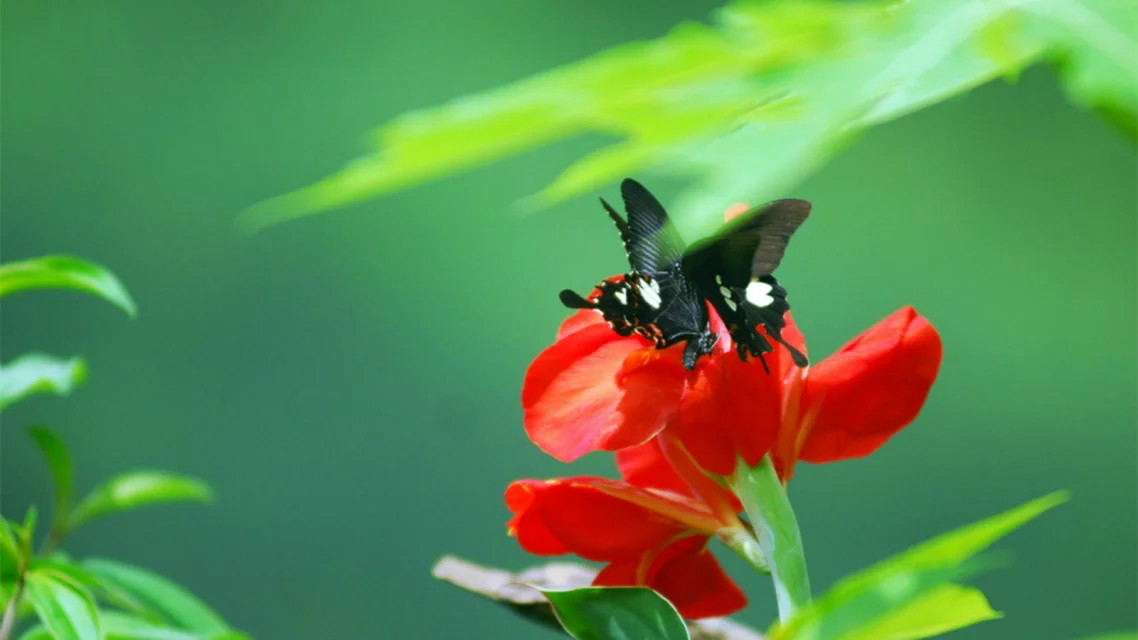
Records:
x=349, y=382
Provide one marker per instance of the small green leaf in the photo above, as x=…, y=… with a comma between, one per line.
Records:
x=9, y=547
x=62, y=472
x=1117, y=635
x=172, y=603
x=39, y=373
x=66, y=609
x=103, y=590
x=27, y=531
x=617, y=613
x=858, y=603
x=939, y=610
x=66, y=272
x=120, y=626
x=137, y=489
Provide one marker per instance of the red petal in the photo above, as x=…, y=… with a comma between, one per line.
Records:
x=580, y=396
x=582, y=319
x=732, y=409
x=686, y=574
x=527, y=524
x=871, y=388
x=646, y=466
x=599, y=519
x=691, y=579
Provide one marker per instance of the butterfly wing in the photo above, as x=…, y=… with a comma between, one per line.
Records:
x=655, y=250
x=653, y=244
x=733, y=270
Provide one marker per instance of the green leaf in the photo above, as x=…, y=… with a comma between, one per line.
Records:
x=617, y=613
x=1117, y=635
x=172, y=603
x=9, y=547
x=102, y=589
x=137, y=489
x=857, y=604
x=120, y=626
x=62, y=471
x=939, y=610
x=748, y=106
x=26, y=532
x=65, y=609
x=39, y=373
x=65, y=272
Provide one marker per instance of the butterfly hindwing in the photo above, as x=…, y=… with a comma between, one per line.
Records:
x=732, y=269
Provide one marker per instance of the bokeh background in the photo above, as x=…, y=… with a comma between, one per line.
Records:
x=349, y=382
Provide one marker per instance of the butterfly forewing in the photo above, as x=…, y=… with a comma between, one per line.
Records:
x=655, y=245
x=774, y=223
x=657, y=251
x=751, y=246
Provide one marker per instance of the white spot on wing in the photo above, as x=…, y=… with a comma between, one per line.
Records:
x=621, y=295
x=649, y=293
x=759, y=293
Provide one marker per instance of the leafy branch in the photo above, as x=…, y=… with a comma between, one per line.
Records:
x=747, y=106
x=91, y=599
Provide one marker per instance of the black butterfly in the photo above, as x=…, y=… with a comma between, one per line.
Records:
x=662, y=297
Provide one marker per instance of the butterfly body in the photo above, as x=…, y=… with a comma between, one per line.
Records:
x=663, y=296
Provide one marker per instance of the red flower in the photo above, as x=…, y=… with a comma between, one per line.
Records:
x=646, y=533
x=595, y=390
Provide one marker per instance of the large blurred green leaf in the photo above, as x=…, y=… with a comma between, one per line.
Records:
x=136, y=489
x=65, y=608
x=38, y=632
x=39, y=373
x=749, y=106
x=939, y=610
x=888, y=593
x=176, y=606
x=62, y=472
x=617, y=613
x=64, y=272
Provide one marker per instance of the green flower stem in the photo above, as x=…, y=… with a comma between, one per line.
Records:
x=776, y=528
x=741, y=542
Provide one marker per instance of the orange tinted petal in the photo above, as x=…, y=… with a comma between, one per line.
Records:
x=646, y=466
x=596, y=518
x=575, y=401
x=527, y=524
x=871, y=388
